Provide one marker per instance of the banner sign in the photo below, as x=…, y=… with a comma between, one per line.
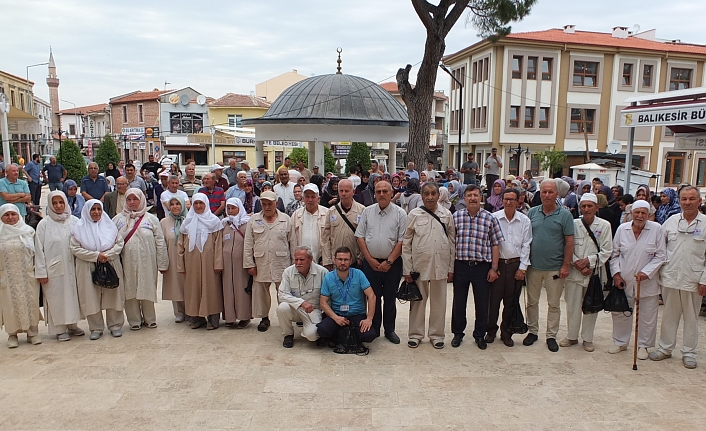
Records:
x=675, y=115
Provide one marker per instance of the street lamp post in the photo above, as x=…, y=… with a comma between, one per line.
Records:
x=30, y=100
x=4, y=110
x=460, y=111
x=517, y=152
x=213, y=142
x=126, y=149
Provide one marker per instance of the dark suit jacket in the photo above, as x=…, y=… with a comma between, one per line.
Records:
x=110, y=203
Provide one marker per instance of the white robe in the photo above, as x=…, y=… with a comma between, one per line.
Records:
x=53, y=260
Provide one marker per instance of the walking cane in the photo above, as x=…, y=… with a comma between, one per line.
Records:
x=637, y=321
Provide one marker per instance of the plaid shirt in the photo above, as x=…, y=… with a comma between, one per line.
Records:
x=476, y=236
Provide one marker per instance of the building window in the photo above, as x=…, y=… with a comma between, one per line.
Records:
x=459, y=74
x=546, y=69
x=647, y=76
x=140, y=113
x=486, y=67
x=627, y=75
x=534, y=166
x=238, y=120
x=72, y=129
x=701, y=173
x=577, y=122
x=517, y=67
x=124, y=108
x=585, y=74
x=514, y=116
x=679, y=79
x=673, y=169
x=529, y=117
x=12, y=98
x=474, y=75
x=531, y=67
x=543, y=118
x=231, y=120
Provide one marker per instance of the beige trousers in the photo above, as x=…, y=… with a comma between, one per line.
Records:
x=647, y=328
x=115, y=318
x=60, y=329
x=678, y=303
x=139, y=311
x=554, y=287
x=573, y=295
x=31, y=332
x=435, y=292
x=286, y=314
x=179, y=308
x=262, y=298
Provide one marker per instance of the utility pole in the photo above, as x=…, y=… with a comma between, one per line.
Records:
x=5, y=109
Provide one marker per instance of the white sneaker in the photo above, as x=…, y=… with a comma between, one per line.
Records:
x=12, y=342
x=34, y=340
x=617, y=349
x=63, y=337
x=642, y=354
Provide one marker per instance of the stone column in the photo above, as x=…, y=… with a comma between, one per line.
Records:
x=392, y=157
x=260, y=154
x=311, y=148
x=318, y=159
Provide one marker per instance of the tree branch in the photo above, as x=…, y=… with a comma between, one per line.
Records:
x=453, y=16
x=403, y=85
x=425, y=11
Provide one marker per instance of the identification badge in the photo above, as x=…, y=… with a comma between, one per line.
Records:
x=697, y=232
x=171, y=230
x=598, y=232
x=147, y=225
x=345, y=307
x=357, y=219
x=293, y=293
x=226, y=237
x=333, y=217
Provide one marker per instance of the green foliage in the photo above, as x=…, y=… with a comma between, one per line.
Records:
x=107, y=152
x=358, y=155
x=71, y=158
x=299, y=154
x=550, y=160
x=490, y=17
x=329, y=160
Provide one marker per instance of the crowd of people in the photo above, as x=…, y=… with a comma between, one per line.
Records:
x=336, y=251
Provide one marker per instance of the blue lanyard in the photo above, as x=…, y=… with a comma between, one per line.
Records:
x=348, y=284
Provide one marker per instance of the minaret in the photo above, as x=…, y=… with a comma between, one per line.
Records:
x=53, y=84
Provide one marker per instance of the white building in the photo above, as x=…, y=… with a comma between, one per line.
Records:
x=43, y=111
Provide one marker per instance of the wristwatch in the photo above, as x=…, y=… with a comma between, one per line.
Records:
x=495, y=269
x=387, y=261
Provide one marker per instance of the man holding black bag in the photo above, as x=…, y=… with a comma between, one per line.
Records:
x=593, y=245
x=341, y=222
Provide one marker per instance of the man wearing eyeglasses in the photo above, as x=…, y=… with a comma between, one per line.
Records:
x=683, y=277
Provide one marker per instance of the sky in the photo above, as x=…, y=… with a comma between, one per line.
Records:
x=103, y=49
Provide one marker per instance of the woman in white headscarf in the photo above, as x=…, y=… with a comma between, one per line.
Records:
x=19, y=290
x=173, y=281
x=54, y=267
x=144, y=255
x=201, y=259
x=94, y=238
x=444, y=199
x=237, y=303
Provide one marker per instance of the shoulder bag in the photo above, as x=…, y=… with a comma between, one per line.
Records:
x=436, y=217
x=345, y=219
x=134, y=228
x=593, y=299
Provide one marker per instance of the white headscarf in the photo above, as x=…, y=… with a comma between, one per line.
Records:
x=444, y=197
x=50, y=207
x=132, y=216
x=95, y=236
x=18, y=230
x=236, y=220
x=199, y=226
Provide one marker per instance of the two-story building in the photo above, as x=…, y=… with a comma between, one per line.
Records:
x=135, y=120
x=22, y=123
x=559, y=88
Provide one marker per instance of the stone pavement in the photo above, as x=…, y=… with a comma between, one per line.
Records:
x=173, y=377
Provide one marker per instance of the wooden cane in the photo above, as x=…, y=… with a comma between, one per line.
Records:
x=637, y=321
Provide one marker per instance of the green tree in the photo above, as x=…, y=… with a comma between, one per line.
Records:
x=550, y=160
x=489, y=17
x=107, y=152
x=299, y=154
x=70, y=156
x=359, y=154
x=329, y=160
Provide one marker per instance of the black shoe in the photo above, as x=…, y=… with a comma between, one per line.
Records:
x=552, y=345
x=480, y=341
x=457, y=340
x=321, y=342
x=394, y=339
x=529, y=339
x=489, y=338
x=288, y=341
x=264, y=324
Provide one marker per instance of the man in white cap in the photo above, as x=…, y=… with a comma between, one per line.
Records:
x=593, y=245
x=683, y=277
x=219, y=179
x=639, y=251
x=309, y=222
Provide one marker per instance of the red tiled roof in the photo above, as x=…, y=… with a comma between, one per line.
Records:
x=232, y=100
x=391, y=87
x=139, y=96
x=85, y=109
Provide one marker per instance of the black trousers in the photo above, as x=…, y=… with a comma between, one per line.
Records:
x=384, y=286
x=490, y=180
x=505, y=289
x=476, y=276
x=35, y=190
x=328, y=328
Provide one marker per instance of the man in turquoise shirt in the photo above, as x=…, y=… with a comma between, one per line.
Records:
x=14, y=190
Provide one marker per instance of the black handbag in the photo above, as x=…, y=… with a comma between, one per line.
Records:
x=409, y=291
x=617, y=301
x=517, y=320
x=248, y=287
x=105, y=276
x=348, y=342
x=593, y=299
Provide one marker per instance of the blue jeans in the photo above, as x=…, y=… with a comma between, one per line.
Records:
x=56, y=186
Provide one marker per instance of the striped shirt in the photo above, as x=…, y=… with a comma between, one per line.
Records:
x=476, y=236
x=214, y=198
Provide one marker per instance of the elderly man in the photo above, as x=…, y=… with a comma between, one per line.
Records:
x=492, y=167
x=269, y=246
x=285, y=189
x=309, y=222
x=347, y=299
x=115, y=200
x=478, y=238
x=306, y=173
x=410, y=172
x=190, y=184
x=683, y=277
x=299, y=296
x=216, y=196
x=245, y=166
x=135, y=181
x=237, y=190
x=341, y=222
x=231, y=172
x=94, y=186
x=550, y=257
x=380, y=234
x=55, y=174
x=639, y=251
x=173, y=191
x=218, y=179
x=513, y=263
x=13, y=190
x=593, y=245
x=429, y=249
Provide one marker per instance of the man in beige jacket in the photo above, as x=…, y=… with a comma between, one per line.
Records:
x=429, y=248
x=337, y=232
x=268, y=249
x=309, y=222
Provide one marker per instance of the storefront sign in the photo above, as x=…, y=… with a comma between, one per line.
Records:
x=695, y=141
x=130, y=131
x=185, y=122
x=675, y=115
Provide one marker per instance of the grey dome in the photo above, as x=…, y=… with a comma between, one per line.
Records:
x=335, y=99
